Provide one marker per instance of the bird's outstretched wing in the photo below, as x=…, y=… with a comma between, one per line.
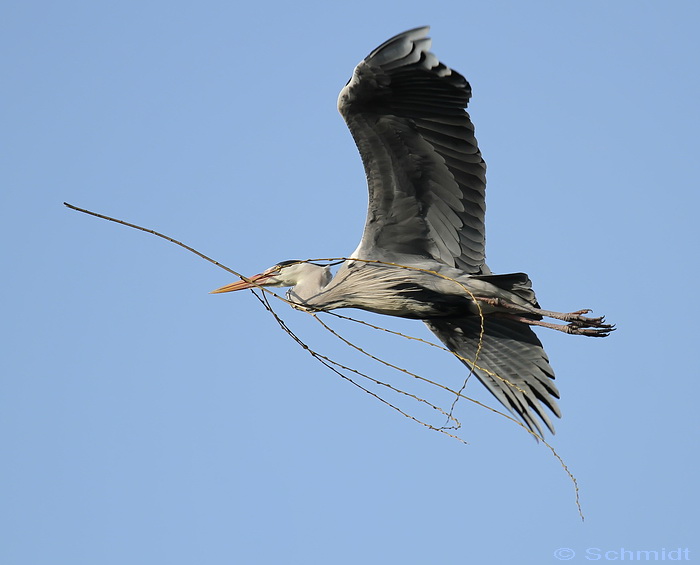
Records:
x=511, y=364
x=426, y=176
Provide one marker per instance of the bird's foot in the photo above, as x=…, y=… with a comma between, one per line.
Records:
x=597, y=330
x=592, y=327
x=580, y=324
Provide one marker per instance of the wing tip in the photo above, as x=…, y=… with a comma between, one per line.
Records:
x=413, y=34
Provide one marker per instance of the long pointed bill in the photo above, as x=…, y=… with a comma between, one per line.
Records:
x=241, y=285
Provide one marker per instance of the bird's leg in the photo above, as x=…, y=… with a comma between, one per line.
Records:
x=573, y=328
x=578, y=323
x=574, y=317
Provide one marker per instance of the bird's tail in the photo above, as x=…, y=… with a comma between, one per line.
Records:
x=518, y=284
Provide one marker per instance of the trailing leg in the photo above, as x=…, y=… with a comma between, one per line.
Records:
x=574, y=328
x=578, y=323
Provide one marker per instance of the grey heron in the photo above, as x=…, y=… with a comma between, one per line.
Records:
x=422, y=251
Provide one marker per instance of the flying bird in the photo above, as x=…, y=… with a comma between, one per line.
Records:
x=422, y=253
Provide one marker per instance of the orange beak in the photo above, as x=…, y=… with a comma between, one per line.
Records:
x=252, y=282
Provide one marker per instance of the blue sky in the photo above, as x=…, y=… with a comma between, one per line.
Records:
x=146, y=421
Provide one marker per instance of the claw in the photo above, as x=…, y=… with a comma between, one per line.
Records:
x=599, y=330
x=583, y=321
x=581, y=312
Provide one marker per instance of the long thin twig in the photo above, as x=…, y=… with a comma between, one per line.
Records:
x=158, y=234
x=339, y=368
x=396, y=368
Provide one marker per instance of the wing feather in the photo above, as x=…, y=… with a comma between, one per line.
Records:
x=512, y=351
x=426, y=177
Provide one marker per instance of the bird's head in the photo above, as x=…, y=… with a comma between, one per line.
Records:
x=286, y=273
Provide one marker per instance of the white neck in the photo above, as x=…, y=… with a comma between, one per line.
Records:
x=310, y=281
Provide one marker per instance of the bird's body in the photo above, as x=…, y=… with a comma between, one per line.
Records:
x=417, y=289
x=422, y=253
